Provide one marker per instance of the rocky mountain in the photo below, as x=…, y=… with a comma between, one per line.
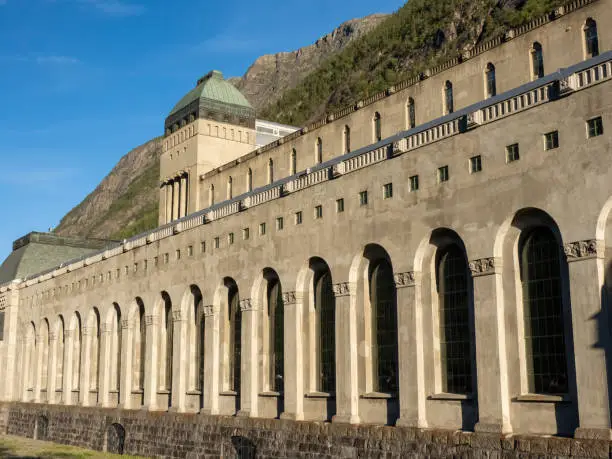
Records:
x=273, y=74
x=359, y=58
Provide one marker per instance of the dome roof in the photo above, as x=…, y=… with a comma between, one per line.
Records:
x=213, y=93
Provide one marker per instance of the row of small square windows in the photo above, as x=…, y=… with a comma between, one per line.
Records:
x=550, y=140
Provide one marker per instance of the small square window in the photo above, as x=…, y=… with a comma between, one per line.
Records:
x=512, y=153
x=246, y=233
x=318, y=211
x=551, y=140
x=363, y=198
x=475, y=164
x=595, y=127
x=230, y=238
x=414, y=183
x=443, y=174
x=262, y=229
x=203, y=247
x=388, y=190
x=217, y=242
x=190, y=251
x=340, y=205
x=279, y=223
x=298, y=218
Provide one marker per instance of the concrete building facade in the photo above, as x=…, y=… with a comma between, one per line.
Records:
x=438, y=256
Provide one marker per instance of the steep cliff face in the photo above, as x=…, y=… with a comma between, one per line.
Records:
x=124, y=203
x=273, y=74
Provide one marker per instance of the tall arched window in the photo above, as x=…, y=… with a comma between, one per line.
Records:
x=277, y=335
x=249, y=180
x=94, y=363
x=319, y=151
x=115, y=367
x=377, y=127
x=490, y=83
x=270, y=171
x=454, y=297
x=449, y=103
x=540, y=265
x=61, y=355
x=384, y=327
x=325, y=306
x=165, y=344
x=77, y=339
x=347, y=139
x=31, y=357
x=293, y=162
x=411, y=113
x=235, y=323
x=139, y=340
x=44, y=349
x=196, y=340
x=537, y=61
x=211, y=195
x=591, y=40
x=230, y=188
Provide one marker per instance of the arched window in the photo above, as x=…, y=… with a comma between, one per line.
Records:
x=293, y=162
x=44, y=349
x=449, y=103
x=490, y=83
x=540, y=266
x=537, y=61
x=270, y=171
x=384, y=328
x=411, y=113
x=115, y=374
x=277, y=335
x=319, y=151
x=377, y=127
x=94, y=362
x=235, y=322
x=195, y=340
x=347, y=139
x=31, y=357
x=454, y=296
x=77, y=339
x=229, y=188
x=325, y=306
x=61, y=355
x=591, y=40
x=139, y=347
x=165, y=344
x=211, y=195
x=249, y=180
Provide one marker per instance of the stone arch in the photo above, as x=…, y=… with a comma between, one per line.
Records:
x=193, y=310
x=41, y=428
x=510, y=241
x=44, y=354
x=137, y=337
x=29, y=359
x=243, y=447
x=163, y=310
x=115, y=439
x=77, y=340
x=60, y=352
x=93, y=325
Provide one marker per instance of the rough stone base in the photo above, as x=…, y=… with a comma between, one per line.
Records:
x=199, y=436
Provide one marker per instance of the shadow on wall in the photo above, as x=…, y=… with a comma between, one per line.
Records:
x=604, y=327
x=115, y=439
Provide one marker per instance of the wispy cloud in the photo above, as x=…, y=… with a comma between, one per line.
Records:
x=41, y=59
x=116, y=7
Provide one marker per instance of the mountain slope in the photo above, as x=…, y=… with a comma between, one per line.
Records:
x=273, y=74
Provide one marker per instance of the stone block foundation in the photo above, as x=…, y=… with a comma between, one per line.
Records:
x=193, y=436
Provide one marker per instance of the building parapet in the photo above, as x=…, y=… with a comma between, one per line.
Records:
x=559, y=84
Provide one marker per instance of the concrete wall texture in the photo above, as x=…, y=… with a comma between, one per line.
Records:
x=452, y=280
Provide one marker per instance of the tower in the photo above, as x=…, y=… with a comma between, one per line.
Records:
x=210, y=126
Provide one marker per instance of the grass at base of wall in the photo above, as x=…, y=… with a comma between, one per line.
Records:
x=20, y=447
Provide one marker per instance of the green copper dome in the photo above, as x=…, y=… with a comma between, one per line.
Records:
x=213, y=98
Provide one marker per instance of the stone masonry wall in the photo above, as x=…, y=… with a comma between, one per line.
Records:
x=198, y=436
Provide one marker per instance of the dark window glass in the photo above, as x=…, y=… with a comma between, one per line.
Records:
x=512, y=153
x=537, y=60
x=143, y=346
x=168, y=344
x=414, y=183
x=455, y=343
x=590, y=38
x=411, y=114
x=551, y=140
x=377, y=127
x=448, y=97
x=325, y=304
x=319, y=150
x=347, y=139
x=276, y=315
x=363, y=198
x=340, y=205
x=475, y=164
x=235, y=337
x=443, y=174
x=595, y=127
x=319, y=212
x=384, y=313
x=543, y=310
x=491, y=83
x=298, y=218
x=388, y=190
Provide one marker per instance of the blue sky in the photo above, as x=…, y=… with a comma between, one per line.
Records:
x=84, y=81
